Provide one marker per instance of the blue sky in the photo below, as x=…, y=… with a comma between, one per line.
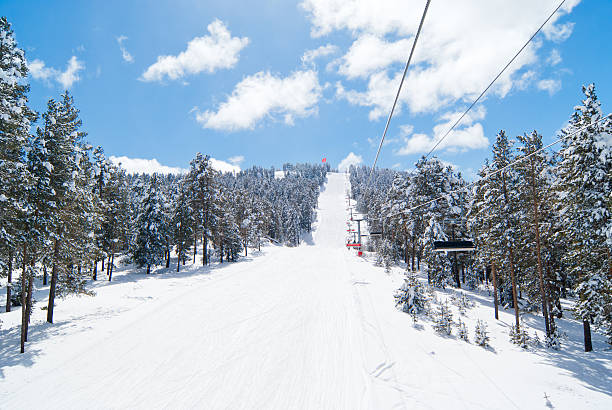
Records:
x=273, y=81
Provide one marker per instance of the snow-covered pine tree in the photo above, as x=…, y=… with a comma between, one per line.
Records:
x=64, y=144
x=438, y=264
x=15, y=120
x=116, y=222
x=150, y=228
x=225, y=232
x=502, y=201
x=444, y=319
x=182, y=222
x=462, y=330
x=481, y=335
x=398, y=220
x=410, y=297
x=202, y=183
x=584, y=185
x=80, y=224
x=481, y=218
x=534, y=191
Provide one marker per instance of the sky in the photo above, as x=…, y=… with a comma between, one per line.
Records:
x=274, y=81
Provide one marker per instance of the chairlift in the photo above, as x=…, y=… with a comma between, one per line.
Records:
x=454, y=246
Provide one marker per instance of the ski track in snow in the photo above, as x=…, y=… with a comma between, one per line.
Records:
x=311, y=327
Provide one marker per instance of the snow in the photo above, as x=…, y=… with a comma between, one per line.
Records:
x=309, y=327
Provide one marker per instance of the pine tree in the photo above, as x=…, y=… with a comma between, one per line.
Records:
x=534, y=190
x=503, y=203
x=481, y=336
x=182, y=222
x=444, y=319
x=202, y=179
x=15, y=121
x=584, y=185
x=410, y=297
x=482, y=217
x=150, y=229
x=462, y=330
x=63, y=143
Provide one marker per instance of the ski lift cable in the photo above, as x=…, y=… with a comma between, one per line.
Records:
x=492, y=82
x=489, y=175
x=416, y=38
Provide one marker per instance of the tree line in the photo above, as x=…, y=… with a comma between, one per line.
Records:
x=541, y=221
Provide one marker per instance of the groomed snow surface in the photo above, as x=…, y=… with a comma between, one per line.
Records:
x=312, y=327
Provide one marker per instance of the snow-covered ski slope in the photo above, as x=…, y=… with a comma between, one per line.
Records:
x=312, y=327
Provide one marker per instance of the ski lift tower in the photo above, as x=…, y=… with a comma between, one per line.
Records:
x=358, y=229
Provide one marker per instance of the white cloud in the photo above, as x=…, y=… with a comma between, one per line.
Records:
x=207, y=53
x=236, y=160
x=144, y=166
x=127, y=57
x=223, y=166
x=370, y=53
x=467, y=135
x=71, y=75
x=558, y=32
x=151, y=166
x=554, y=58
x=351, y=159
x=550, y=85
x=66, y=78
x=39, y=71
x=463, y=46
x=310, y=56
x=525, y=80
x=264, y=95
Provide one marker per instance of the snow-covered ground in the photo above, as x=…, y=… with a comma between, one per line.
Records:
x=312, y=327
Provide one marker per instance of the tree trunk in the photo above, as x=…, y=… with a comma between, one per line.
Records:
x=246, y=249
x=8, y=282
x=23, y=296
x=180, y=254
x=168, y=259
x=29, y=302
x=456, y=270
x=204, y=250
x=148, y=269
x=102, y=269
x=195, y=245
x=494, y=279
x=44, y=274
x=536, y=221
x=588, y=346
x=95, y=270
x=514, y=291
x=53, y=282
x=111, y=265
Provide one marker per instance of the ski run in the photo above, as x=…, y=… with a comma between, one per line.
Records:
x=306, y=327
